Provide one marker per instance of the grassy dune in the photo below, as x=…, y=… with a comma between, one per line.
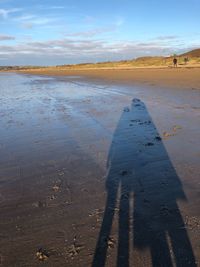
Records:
x=141, y=62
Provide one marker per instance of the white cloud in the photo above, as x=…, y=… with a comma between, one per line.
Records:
x=89, y=19
x=97, y=31
x=82, y=47
x=166, y=37
x=90, y=49
x=120, y=21
x=92, y=32
x=29, y=20
x=6, y=37
x=5, y=12
x=56, y=7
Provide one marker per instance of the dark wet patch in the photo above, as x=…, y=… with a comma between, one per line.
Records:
x=137, y=120
x=158, y=138
x=123, y=173
x=149, y=144
x=126, y=109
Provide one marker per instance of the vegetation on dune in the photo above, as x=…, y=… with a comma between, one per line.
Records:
x=194, y=53
x=190, y=59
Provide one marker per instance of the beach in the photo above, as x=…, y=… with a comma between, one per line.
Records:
x=100, y=167
x=184, y=77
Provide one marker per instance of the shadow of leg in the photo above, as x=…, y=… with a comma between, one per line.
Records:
x=102, y=243
x=160, y=253
x=124, y=218
x=181, y=245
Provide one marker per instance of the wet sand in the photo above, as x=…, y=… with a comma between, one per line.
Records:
x=99, y=171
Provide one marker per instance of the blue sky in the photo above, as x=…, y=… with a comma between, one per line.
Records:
x=63, y=32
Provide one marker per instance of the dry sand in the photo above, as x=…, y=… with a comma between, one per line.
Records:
x=180, y=77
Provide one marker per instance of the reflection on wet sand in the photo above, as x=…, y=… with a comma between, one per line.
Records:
x=140, y=171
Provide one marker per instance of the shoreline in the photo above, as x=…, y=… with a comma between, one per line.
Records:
x=178, y=78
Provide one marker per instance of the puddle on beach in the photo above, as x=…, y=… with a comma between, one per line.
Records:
x=56, y=140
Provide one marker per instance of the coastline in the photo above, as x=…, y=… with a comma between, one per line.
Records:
x=173, y=78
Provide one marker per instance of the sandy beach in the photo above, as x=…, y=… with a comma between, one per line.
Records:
x=100, y=168
x=99, y=133
x=186, y=77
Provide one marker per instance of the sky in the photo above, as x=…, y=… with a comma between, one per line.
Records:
x=49, y=32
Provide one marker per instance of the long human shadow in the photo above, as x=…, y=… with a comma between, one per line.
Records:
x=141, y=175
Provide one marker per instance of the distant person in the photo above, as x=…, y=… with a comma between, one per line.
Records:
x=175, y=62
x=186, y=59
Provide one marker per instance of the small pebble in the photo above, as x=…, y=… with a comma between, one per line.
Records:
x=55, y=188
x=42, y=254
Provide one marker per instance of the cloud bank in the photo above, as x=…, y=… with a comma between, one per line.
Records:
x=70, y=50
